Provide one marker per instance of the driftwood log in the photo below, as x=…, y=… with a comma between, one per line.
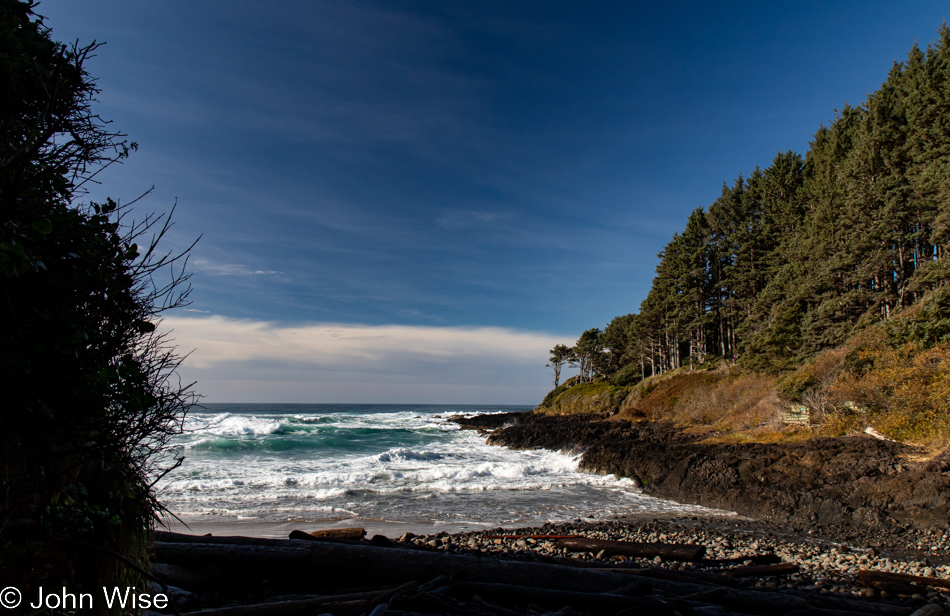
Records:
x=186, y=577
x=825, y=612
x=322, y=565
x=339, y=533
x=754, y=559
x=898, y=582
x=169, y=537
x=556, y=599
x=359, y=602
x=255, y=557
x=697, y=577
x=235, y=556
x=536, y=537
x=666, y=551
x=828, y=602
x=341, y=603
x=336, y=563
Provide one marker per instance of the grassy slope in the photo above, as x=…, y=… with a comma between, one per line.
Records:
x=892, y=376
x=719, y=402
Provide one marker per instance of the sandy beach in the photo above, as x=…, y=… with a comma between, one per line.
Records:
x=204, y=524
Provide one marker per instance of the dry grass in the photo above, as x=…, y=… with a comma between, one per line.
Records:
x=733, y=404
x=729, y=405
x=661, y=395
x=827, y=366
x=899, y=384
x=761, y=435
x=902, y=391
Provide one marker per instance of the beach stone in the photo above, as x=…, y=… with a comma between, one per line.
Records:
x=868, y=593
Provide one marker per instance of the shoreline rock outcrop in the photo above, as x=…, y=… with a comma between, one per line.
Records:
x=856, y=484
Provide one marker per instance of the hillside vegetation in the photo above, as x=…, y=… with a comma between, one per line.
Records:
x=818, y=281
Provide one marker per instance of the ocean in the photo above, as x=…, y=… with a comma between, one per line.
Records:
x=311, y=466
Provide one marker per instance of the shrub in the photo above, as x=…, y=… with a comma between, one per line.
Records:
x=926, y=323
x=894, y=375
x=903, y=391
x=88, y=393
x=816, y=374
x=553, y=394
x=589, y=389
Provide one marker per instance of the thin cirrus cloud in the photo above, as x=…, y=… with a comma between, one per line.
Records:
x=243, y=360
x=228, y=269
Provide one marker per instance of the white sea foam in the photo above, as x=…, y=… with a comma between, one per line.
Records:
x=403, y=455
x=401, y=466
x=233, y=425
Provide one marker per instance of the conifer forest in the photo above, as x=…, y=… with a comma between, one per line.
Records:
x=790, y=259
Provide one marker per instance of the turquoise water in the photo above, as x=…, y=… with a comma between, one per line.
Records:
x=333, y=464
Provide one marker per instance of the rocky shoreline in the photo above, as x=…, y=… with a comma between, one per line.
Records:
x=861, y=534
x=824, y=566
x=734, y=565
x=854, y=490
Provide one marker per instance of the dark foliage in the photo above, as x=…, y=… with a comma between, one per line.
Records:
x=88, y=392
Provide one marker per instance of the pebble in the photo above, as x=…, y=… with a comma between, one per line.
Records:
x=825, y=566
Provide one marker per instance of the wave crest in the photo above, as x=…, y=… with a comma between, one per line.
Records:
x=234, y=425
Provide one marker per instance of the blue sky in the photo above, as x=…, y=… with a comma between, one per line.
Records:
x=448, y=189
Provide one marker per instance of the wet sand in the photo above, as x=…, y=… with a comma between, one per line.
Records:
x=222, y=526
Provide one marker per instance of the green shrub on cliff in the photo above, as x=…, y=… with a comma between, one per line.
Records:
x=590, y=389
x=553, y=394
x=598, y=397
x=925, y=324
x=796, y=384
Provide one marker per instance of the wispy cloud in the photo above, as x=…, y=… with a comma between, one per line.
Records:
x=457, y=219
x=218, y=339
x=234, y=360
x=228, y=269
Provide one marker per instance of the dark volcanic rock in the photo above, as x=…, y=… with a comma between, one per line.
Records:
x=849, y=481
x=490, y=421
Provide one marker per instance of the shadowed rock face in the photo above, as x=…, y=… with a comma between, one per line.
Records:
x=488, y=422
x=849, y=481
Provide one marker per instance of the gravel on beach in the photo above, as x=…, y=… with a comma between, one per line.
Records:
x=825, y=565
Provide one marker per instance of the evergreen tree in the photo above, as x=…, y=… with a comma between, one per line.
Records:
x=787, y=261
x=587, y=352
x=561, y=355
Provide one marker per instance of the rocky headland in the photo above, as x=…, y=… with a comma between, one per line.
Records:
x=857, y=489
